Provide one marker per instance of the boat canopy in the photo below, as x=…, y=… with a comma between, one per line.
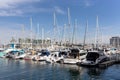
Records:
x=62, y=53
x=15, y=52
x=92, y=56
x=45, y=52
x=74, y=51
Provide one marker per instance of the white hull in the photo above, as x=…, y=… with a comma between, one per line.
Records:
x=20, y=57
x=70, y=61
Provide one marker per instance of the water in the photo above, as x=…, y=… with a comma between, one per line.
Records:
x=29, y=70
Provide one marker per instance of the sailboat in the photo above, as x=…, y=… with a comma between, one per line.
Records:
x=74, y=55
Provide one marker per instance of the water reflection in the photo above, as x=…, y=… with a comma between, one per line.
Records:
x=30, y=70
x=95, y=73
x=74, y=72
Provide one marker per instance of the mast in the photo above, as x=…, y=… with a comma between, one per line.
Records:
x=69, y=25
x=31, y=30
x=84, y=42
x=64, y=29
x=23, y=33
x=54, y=25
x=118, y=43
x=68, y=17
x=101, y=38
x=97, y=34
x=42, y=36
x=38, y=32
x=75, y=24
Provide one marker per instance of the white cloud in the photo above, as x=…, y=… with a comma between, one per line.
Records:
x=13, y=3
x=36, y=10
x=10, y=12
x=88, y=3
x=21, y=7
x=14, y=7
x=59, y=10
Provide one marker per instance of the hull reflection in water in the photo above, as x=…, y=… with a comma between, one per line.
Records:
x=30, y=70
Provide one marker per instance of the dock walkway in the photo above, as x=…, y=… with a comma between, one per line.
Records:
x=106, y=64
x=113, y=60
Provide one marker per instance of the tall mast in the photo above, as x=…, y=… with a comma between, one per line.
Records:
x=23, y=33
x=38, y=32
x=85, y=34
x=54, y=15
x=31, y=30
x=118, y=42
x=42, y=36
x=73, y=36
x=97, y=33
x=68, y=17
x=69, y=25
x=54, y=25
x=64, y=40
x=101, y=38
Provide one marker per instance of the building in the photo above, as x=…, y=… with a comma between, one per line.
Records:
x=26, y=43
x=115, y=41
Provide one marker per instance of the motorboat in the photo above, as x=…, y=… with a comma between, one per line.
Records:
x=74, y=56
x=41, y=56
x=1, y=49
x=112, y=53
x=93, y=58
x=54, y=57
x=29, y=55
x=15, y=54
x=6, y=52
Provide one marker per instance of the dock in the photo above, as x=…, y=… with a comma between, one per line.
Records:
x=106, y=64
x=113, y=60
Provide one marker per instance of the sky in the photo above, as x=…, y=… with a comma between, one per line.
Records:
x=15, y=15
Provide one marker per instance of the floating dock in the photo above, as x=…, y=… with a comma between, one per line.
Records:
x=103, y=64
x=106, y=64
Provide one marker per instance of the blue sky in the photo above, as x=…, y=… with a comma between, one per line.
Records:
x=16, y=13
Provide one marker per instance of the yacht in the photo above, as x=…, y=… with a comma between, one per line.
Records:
x=93, y=58
x=74, y=56
x=7, y=52
x=112, y=53
x=71, y=56
x=41, y=56
x=55, y=56
x=15, y=54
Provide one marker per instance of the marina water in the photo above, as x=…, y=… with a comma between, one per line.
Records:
x=30, y=70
